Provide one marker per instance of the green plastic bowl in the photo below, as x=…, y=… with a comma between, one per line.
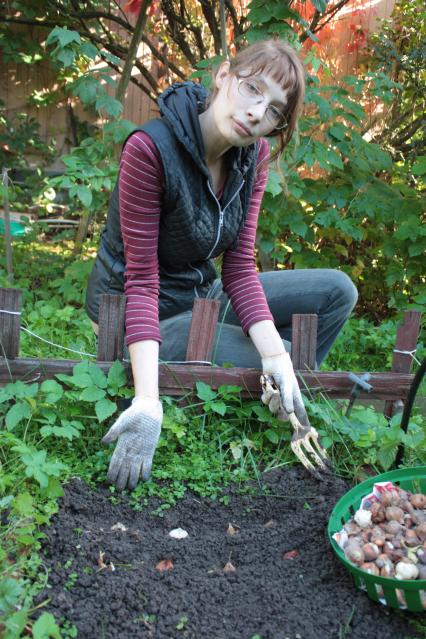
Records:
x=382, y=589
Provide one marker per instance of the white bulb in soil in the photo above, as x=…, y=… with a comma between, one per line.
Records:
x=178, y=533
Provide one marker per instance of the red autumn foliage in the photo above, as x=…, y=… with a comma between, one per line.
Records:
x=134, y=6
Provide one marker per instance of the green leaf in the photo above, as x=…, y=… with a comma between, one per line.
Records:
x=23, y=504
x=15, y=624
x=117, y=377
x=68, y=430
x=266, y=246
x=63, y=36
x=11, y=590
x=53, y=390
x=92, y=394
x=334, y=159
x=413, y=437
x=386, y=456
x=419, y=166
x=119, y=130
x=19, y=390
x=298, y=226
x=82, y=380
x=6, y=393
x=53, y=490
x=84, y=194
x=36, y=464
x=263, y=413
x=417, y=248
x=326, y=442
x=16, y=414
x=66, y=56
x=89, y=50
x=110, y=57
x=45, y=627
x=5, y=501
x=97, y=375
x=338, y=131
x=112, y=106
x=274, y=186
x=272, y=435
x=86, y=88
x=65, y=378
x=218, y=407
x=104, y=408
x=204, y=392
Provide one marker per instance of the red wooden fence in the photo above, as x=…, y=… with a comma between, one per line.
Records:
x=178, y=379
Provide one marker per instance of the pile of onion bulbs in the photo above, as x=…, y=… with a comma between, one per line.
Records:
x=387, y=536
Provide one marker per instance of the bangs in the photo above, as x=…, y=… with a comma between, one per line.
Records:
x=278, y=67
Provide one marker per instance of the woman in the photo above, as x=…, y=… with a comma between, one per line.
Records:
x=189, y=189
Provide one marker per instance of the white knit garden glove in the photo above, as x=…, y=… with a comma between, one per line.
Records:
x=138, y=430
x=280, y=367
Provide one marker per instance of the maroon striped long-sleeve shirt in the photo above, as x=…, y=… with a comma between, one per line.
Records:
x=141, y=185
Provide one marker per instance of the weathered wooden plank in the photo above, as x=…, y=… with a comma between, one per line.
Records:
x=304, y=341
x=10, y=321
x=202, y=330
x=111, y=327
x=177, y=379
x=406, y=340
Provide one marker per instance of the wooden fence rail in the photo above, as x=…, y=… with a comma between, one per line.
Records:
x=179, y=379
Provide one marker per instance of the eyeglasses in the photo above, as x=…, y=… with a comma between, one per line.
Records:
x=249, y=90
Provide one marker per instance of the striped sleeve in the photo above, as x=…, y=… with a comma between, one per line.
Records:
x=141, y=185
x=239, y=274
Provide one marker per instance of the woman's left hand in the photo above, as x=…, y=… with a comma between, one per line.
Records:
x=280, y=367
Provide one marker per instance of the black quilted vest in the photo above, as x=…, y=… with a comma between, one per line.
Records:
x=194, y=227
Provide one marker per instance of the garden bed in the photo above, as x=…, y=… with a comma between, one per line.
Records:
x=286, y=584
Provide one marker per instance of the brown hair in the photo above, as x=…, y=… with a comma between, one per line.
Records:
x=281, y=62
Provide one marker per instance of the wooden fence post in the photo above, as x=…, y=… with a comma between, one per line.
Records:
x=10, y=322
x=111, y=327
x=304, y=341
x=406, y=340
x=203, y=329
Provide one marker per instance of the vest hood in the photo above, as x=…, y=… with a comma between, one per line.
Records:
x=180, y=106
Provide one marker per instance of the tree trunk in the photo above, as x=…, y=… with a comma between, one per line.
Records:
x=131, y=55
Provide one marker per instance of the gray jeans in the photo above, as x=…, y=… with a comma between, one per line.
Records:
x=326, y=292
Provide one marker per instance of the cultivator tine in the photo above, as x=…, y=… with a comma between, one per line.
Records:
x=305, y=443
x=306, y=440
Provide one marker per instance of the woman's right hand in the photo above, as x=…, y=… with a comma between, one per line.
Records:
x=138, y=430
x=280, y=367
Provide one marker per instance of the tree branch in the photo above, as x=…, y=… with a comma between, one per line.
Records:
x=316, y=25
x=160, y=57
x=176, y=33
x=131, y=54
x=211, y=20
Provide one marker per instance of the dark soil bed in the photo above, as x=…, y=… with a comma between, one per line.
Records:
x=271, y=595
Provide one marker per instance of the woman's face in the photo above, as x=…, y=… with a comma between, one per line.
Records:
x=241, y=115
